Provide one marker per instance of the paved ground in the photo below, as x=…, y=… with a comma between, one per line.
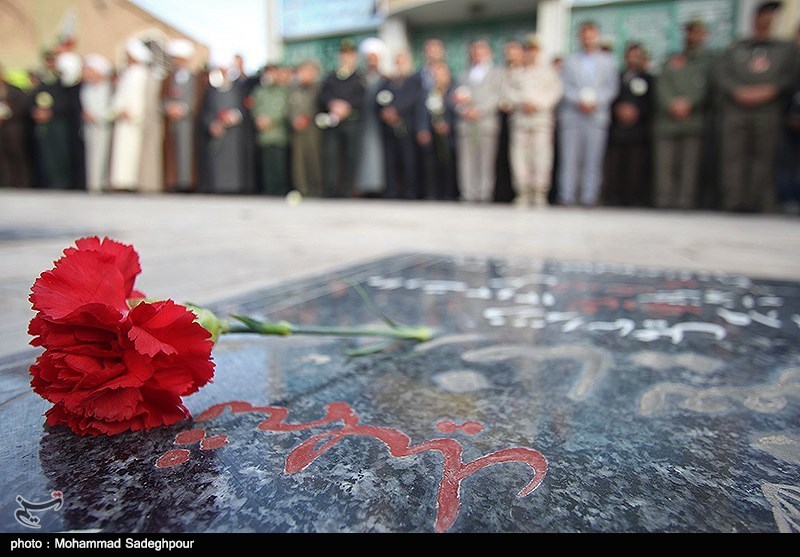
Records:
x=206, y=248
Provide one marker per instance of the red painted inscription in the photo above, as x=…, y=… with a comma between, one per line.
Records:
x=398, y=444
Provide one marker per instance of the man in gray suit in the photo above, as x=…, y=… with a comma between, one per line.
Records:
x=591, y=84
x=477, y=100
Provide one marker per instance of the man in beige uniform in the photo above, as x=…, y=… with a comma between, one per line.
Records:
x=531, y=90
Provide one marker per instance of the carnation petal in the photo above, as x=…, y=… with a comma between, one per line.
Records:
x=77, y=279
x=56, y=415
x=185, y=376
x=146, y=343
x=161, y=407
x=115, y=404
x=156, y=409
x=126, y=259
x=103, y=374
x=158, y=327
x=179, y=380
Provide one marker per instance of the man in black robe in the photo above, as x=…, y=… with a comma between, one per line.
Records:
x=227, y=153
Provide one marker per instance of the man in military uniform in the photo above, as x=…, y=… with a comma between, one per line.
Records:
x=789, y=157
x=306, y=137
x=340, y=99
x=680, y=120
x=270, y=113
x=753, y=77
x=531, y=90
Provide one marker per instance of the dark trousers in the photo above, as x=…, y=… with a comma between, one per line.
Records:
x=274, y=170
x=627, y=173
x=503, y=187
x=401, y=166
x=789, y=169
x=341, y=146
x=438, y=160
x=14, y=161
x=677, y=171
x=54, y=154
x=748, y=150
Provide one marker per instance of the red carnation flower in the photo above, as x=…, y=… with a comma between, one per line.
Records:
x=108, y=368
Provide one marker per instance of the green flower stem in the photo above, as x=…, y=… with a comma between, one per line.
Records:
x=284, y=328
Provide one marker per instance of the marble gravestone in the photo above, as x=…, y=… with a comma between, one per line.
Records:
x=557, y=397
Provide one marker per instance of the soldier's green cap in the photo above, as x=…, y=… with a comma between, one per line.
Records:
x=532, y=41
x=768, y=7
x=346, y=45
x=695, y=23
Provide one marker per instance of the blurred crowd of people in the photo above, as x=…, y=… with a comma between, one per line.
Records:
x=573, y=131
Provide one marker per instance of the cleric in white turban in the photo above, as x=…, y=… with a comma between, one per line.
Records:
x=181, y=48
x=70, y=66
x=138, y=51
x=98, y=63
x=95, y=93
x=181, y=95
x=129, y=105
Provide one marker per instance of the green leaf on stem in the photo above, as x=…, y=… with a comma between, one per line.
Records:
x=372, y=349
x=371, y=305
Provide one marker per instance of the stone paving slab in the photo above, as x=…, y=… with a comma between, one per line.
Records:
x=206, y=248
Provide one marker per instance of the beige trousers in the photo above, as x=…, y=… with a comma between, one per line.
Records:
x=531, y=153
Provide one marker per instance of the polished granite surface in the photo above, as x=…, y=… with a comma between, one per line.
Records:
x=558, y=397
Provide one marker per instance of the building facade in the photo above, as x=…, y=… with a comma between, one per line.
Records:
x=313, y=29
x=29, y=27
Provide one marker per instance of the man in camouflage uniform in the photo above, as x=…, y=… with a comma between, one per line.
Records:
x=681, y=110
x=530, y=91
x=753, y=77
